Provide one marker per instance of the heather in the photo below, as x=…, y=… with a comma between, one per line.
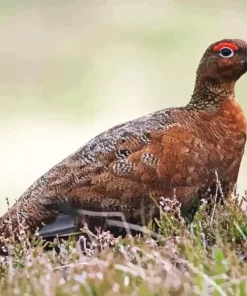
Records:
x=204, y=257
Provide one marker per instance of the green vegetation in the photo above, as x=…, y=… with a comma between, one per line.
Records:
x=206, y=257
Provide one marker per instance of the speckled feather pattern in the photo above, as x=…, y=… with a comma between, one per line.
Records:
x=175, y=148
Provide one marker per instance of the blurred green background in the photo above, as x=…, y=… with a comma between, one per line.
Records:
x=71, y=69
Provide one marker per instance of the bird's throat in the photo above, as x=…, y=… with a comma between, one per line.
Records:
x=210, y=95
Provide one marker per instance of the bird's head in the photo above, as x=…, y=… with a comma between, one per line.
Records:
x=224, y=61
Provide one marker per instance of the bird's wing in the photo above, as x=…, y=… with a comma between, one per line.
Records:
x=174, y=157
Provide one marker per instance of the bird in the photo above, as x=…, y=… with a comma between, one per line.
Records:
x=129, y=167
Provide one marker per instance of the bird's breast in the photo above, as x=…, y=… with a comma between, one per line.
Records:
x=224, y=134
x=205, y=141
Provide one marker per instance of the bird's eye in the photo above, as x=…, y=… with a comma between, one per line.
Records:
x=226, y=52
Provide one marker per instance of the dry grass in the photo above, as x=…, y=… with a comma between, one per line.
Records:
x=206, y=257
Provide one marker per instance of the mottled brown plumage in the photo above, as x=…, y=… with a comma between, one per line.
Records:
x=175, y=148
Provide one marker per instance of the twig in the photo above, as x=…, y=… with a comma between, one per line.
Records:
x=218, y=188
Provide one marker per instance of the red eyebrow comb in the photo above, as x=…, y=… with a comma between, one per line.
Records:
x=226, y=44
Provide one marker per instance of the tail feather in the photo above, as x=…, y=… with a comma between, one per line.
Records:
x=62, y=226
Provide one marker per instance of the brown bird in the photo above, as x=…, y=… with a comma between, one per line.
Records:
x=175, y=148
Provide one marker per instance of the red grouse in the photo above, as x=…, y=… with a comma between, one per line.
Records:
x=175, y=148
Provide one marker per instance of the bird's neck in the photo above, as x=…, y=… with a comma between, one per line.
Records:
x=209, y=95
